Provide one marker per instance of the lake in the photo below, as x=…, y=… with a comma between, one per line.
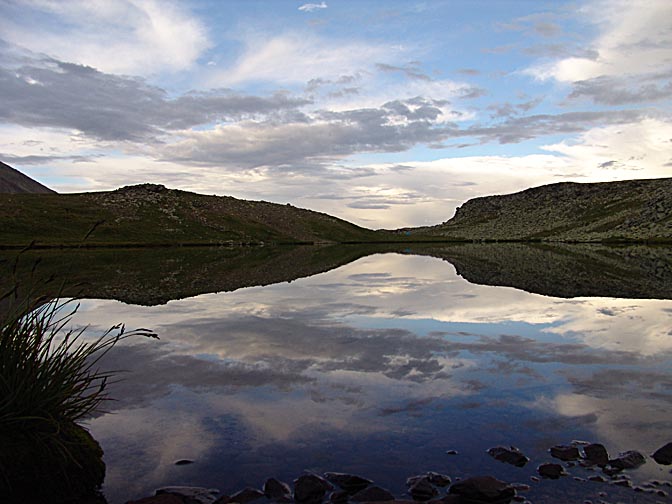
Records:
x=379, y=362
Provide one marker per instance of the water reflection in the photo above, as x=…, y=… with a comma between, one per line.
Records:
x=379, y=367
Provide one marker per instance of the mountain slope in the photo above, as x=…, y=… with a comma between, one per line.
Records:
x=13, y=181
x=632, y=210
x=150, y=214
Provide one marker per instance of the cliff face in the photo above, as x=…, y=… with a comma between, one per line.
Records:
x=13, y=181
x=608, y=211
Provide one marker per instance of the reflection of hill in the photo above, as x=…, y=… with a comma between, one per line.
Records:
x=563, y=270
x=157, y=275
x=151, y=276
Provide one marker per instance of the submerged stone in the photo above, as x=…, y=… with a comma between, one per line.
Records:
x=565, y=452
x=511, y=455
x=628, y=460
x=551, y=471
x=421, y=489
x=483, y=489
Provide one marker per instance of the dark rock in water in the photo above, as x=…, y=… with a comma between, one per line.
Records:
x=372, y=494
x=596, y=454
x=622, y=482
x=564, y=452
x=247, y=495
x=597, y=478
x=438, y=479
x=348, y=482
x=551, y=471
x=452, y=452
x=310, y=488
x=421, y=489
x=663, y=455
x=277, y=490
x=159, y=499
x=511, y=455
x=182, y=462
x=339, y=497
x=484, y=489
x=191, y=495
x=628, y=460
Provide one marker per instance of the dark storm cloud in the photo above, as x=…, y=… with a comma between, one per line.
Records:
x=51, y=93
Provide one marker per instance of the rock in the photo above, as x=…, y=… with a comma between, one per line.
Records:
x=182, y=462
x=597, y=478
x=483, y=489
x=191, y=495
x=339, y=497
x=438, y=479
x=628, y=460
x=310, y=488
x=277, y=490
x=510, y=455
x=564, y=452
x=372, y=494
x=622, y=482
x=247, y=495
x=663, y=455
x=551, y=471
x=452, y=452
x=596, y=454
x=348, y=482
x=159, y=499
x=421, y=489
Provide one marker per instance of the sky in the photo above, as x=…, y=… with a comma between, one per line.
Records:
x=385, y=113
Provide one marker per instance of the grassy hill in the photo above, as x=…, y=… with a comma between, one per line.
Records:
x=632, y=210
x=13, y=181
x=150, y=214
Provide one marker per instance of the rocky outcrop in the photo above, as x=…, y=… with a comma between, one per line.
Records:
x=633, y=210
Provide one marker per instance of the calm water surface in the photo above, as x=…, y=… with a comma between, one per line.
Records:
x=378, y=368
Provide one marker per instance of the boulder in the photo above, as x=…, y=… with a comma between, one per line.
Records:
x=191, y=495
x=372, y=494
x=277, y=490
x=351, y=483
x=663, y=455
x=310, y=489
x=420, y=488
x=511, y=455
x=551, y=471
x=565, y=452
x=628, y=460
x=596, y=454
x=247, y=495
x=484, y=489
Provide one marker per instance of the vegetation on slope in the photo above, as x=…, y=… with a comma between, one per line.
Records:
x=151, y=215
x=633, y=210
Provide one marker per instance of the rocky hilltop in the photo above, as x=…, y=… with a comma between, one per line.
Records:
x=13, y=181
x=150, y=214
x=633, y=210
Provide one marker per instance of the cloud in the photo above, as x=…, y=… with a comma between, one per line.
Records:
x=139, y=37
x=634, y=40
x=297, y=58
x=310, y=7
x=51, y=93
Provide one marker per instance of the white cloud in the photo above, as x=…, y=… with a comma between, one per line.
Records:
x=310, y=7
x=296, y=58
x=635, y=38
x=138, y=37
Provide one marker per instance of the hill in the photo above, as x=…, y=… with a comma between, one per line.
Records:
x=632, y=210
x=13, y=181
x=150, y=214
